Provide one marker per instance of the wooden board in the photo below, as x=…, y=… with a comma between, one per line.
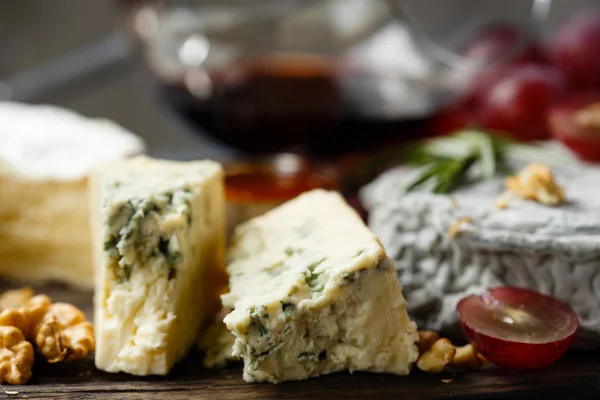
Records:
x=576, y=376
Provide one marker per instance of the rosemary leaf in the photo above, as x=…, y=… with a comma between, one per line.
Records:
x=420, y=156
x=429, y=171
x=487, y=157
x=466, y=157
x=485, y=147
x=454, y=174
x=452, y=147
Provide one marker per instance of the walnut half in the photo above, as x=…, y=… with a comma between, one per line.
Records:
x=466, y=357
x=437, y=357
x=16, y=356
x=536, y=182
x=59, y=330
x=77, y=333
x=15, y=298
x=438, y=353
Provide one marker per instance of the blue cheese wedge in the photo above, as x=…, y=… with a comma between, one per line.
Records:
x=46, y=153
x=446, y=247
x=159, y=235
x=313, y=292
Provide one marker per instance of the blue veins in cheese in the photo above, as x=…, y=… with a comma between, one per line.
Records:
x=313, y=292
x=159, y=234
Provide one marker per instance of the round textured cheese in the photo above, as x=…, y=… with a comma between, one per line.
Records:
x=552, y=250
x=48, y=142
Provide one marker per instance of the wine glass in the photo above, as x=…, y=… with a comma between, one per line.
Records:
x=297, y=88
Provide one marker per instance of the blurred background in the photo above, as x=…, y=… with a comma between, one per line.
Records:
x=38, y=32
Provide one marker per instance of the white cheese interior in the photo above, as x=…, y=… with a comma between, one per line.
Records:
x=159, y=236
x=313, y=292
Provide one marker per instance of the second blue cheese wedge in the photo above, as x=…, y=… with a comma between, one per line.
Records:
x=313, y=292
x=159, y=232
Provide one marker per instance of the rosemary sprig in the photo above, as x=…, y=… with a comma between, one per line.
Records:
x=450, y=178
x=429, y=171
x=447, y=162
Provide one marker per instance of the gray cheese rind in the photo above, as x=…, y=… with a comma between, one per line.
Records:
x=554, y=250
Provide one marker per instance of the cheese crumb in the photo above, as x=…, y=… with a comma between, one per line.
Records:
x=455, y=228
x=447, y=380
x=503, y=201
x=535, y=182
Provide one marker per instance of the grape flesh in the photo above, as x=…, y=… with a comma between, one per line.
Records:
x=517, y=328
x=575, y=122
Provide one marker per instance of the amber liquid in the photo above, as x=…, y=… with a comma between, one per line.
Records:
x=273, y=105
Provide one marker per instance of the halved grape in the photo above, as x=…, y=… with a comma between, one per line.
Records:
x=576, y=123
x=517, y=103
x=576, y=49
x=517, y=328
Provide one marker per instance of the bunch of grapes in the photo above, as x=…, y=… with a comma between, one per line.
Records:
x=542, y=92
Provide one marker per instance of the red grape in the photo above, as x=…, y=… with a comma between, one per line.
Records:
x=497, y=41
x=495, y=47
x=449, y=119
x=576, y=122
x=483, y=81
x=576, y=50
x=517, y=103
x=517, y=328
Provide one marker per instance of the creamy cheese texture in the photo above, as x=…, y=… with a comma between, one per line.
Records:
x=159, y=234
x=46, y=154
x=313, y=292
x=48, y=142
x=554, y=250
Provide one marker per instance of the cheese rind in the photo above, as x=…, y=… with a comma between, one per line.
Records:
x=159, y=232
x=46, y=154
x=47, y=142
x=313, y=292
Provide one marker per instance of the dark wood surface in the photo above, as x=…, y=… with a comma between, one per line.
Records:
x=575, y=376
